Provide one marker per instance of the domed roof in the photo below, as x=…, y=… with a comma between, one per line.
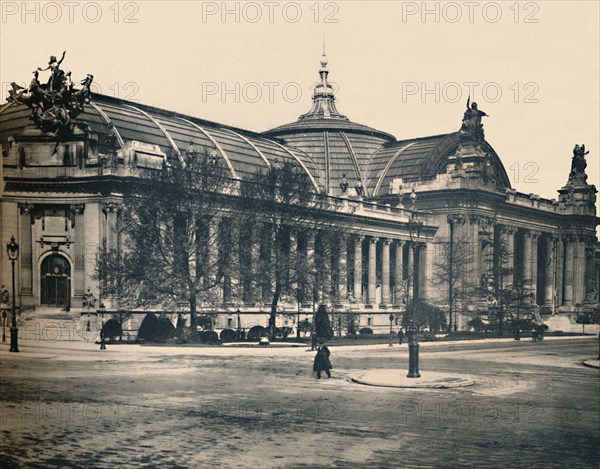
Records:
x=339, y=147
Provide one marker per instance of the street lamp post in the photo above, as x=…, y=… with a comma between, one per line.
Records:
x=391, y=340
x=414, y=228
x=12, y=250
x=3, y=326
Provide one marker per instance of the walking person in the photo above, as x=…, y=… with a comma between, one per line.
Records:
x=400, y=336
x=322, y=362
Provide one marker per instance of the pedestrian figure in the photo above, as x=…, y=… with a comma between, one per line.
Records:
x=322, y=362
x=400, y=336
x=313, y=341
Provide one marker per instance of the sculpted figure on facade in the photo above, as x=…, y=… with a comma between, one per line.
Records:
x=471, y=130
x=578, y=165
x=55, y=104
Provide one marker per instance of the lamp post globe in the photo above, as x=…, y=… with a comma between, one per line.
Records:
x=12, y=249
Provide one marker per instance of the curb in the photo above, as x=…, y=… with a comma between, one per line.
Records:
x=591, y=363
x=446, y=381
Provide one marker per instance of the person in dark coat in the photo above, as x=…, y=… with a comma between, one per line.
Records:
x=322, y=362
x=400, y=336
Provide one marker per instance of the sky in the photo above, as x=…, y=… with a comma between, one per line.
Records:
x=402, y=67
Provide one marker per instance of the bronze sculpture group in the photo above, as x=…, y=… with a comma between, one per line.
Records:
x=55, y=104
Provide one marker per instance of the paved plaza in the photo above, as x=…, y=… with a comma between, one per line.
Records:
x=68, y=404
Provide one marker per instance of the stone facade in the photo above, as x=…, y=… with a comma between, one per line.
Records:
x=61, y=198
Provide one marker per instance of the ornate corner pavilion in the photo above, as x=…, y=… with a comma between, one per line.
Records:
x=62, y=190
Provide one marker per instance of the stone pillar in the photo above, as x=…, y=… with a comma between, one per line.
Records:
x=476, y=246
x=358, y=269
x=26, y=245
x=79, y=275
x=527, y=266
x=568, y=279
x=231, y=280
x=266, y=262
x=326, y=267
x=111, y=211
x=421, y=282
x=507, y=255
x=342, y=290
x=579, y=271
x=486, y=231
x=560, y=267
x=310, y=279
x=398, y=280
x=590, y=273
x=385, y=273
x=535, y=235
x=372, y=273
x=550, y=272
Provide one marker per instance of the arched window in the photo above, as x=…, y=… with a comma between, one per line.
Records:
x=55, y=281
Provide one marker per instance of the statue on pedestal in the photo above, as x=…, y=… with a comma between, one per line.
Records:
x=578, y=165
x=471, y=129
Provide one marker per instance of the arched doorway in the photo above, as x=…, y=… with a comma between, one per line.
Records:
x=55, y=281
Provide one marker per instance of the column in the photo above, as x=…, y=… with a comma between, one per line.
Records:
x=26, y=246
x=549, y=273
x=527, y=266
x=326, y=267
x=420, y=282
x=310, y=274
x=358, y=269
x=476, y=246
x=372, y=273
x=560, y=267
x=342, y=290
x=266, y=262
x=245, y=256
x=398, y=280
x=487, y=250
x=579, y=271
x=110, y=210
x=231, y=279
x=535, y=235
x=568, y=278
x=292, y=261
x=212, y=253
x=507, y=255
x=589, y=278
x=79, y=275
x=385, y=273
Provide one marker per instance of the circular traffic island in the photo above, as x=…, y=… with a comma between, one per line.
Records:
x=397, y=379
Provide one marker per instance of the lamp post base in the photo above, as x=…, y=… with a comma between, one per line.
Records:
x=413, y=359
x=14, y=339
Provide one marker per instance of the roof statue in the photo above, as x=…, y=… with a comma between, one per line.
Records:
x=578, y=165
x=471, y=130
x=54, y=105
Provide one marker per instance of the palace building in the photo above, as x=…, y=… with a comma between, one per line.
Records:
x=409, y=204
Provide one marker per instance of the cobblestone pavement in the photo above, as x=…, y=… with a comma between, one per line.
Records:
x=71, y=405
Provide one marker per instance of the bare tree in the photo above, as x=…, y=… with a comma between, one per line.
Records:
x=452, y=270
x=509, y=298
x=169, y=251
x=282, y=203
